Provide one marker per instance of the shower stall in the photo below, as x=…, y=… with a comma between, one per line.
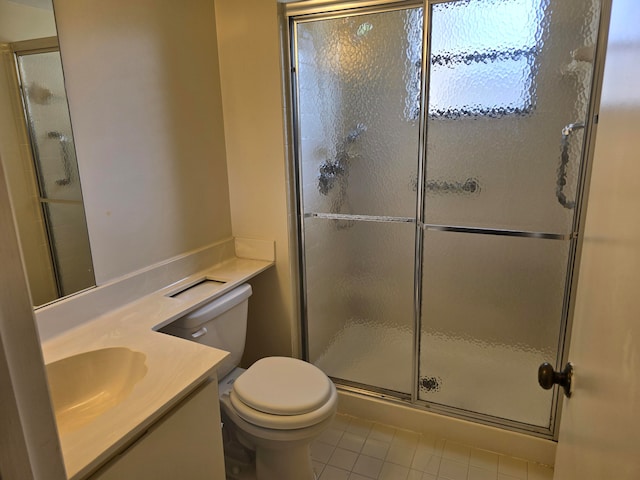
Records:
x=440, y=156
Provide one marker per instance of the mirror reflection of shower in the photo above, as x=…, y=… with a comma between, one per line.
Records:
x=58, y=219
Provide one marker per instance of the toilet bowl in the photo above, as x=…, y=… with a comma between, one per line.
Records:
x=278, y=406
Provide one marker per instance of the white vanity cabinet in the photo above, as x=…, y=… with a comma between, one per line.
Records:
x=184, y=444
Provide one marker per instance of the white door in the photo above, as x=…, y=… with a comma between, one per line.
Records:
x=600, y=428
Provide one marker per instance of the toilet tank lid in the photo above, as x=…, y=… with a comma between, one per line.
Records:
x=283, y=386
x=214, y=308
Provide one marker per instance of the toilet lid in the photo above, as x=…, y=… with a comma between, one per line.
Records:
x=280, y=422
x=283, y=386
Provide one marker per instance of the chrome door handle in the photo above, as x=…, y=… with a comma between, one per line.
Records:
x=548, y=377
x=564, y=161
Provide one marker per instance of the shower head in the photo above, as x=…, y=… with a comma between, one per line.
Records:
x=39, y=94
x=332, y=170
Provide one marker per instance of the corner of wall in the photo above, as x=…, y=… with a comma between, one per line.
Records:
x=251, y=80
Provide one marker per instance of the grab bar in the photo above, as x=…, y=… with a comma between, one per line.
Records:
x=64, y=149
x=470, y=185
x=561, y=181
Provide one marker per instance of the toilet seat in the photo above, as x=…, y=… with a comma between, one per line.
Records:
x=283, y=393
x=284, y=422
x=283, y=386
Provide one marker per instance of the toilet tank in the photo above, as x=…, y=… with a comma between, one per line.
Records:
x=221, y=323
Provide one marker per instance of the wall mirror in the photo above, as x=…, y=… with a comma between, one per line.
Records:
x=38, y=153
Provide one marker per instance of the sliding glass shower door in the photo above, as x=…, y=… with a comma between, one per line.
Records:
x=439, y=229
x=509, y=88
x=358, y=80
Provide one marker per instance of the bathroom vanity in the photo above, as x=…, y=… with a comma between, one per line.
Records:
x=186, y=443
x=131, y=402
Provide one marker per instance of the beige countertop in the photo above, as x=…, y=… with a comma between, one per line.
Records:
x=174, y=366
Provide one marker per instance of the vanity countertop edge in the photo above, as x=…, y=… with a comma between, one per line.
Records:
x=175, y=366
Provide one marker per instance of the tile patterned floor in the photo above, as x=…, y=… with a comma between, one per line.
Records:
x=356, y=449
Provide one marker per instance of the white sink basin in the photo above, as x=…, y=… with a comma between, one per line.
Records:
x=86, y=385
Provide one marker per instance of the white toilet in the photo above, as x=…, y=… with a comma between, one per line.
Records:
x=279, y=405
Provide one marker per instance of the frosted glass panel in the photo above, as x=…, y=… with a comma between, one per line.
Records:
x=50, y=126
x=359, y=289
x=505, y=78
x=70, y=244
x=359, y=84
x=491, y=314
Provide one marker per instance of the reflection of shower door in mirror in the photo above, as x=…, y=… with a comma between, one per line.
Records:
x=54, y=160
x=509, y=87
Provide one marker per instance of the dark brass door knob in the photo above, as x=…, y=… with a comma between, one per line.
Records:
x=548, y=377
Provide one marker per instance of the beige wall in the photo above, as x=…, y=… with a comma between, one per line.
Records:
x=144, y=94
x=249, y=49
x=22, y=22
x=148, y=120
